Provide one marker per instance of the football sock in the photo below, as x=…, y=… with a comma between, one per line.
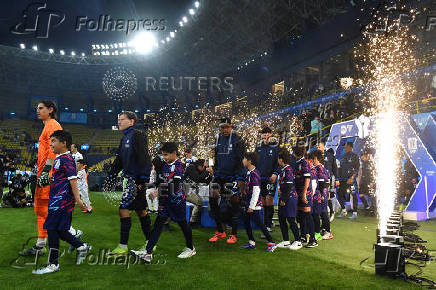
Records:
x=126, y=224
x=146, y=226
x=41, y=242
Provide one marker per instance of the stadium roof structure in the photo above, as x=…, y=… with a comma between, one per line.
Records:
x=221, y=37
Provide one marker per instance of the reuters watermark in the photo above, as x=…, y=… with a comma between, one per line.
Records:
x=189, y=83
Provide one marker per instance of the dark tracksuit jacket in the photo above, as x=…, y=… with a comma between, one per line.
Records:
x=267, y=159
x=132, y=156
x=367, y=173
x=349, y=165
x=330, y=164
x=229, y=151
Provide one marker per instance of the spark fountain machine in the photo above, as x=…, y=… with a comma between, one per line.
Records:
x=389, y=249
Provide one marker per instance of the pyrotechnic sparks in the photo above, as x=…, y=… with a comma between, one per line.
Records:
x=387, y=57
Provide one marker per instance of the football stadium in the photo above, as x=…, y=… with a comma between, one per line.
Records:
x=228, y=144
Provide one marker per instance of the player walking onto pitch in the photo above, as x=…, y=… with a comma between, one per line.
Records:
x=64, y=193
x=47, y=113
x=133, y=159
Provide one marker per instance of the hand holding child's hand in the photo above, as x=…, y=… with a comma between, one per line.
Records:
x=82, y=206
x=153, y=194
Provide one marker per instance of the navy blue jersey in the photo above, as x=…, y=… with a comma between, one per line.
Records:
x=367, y=172
x=229, y=151
x=174, y=173
x=322, y=177
x=268, y=159
x=301, y=172
x=252, y=179
x=132, y=156
x=61, y=194
x=286, y=182
x=349, y=165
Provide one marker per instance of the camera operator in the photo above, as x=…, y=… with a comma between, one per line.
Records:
x=17, y=195
x=195, y=176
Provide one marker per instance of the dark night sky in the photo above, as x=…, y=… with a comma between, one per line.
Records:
x=65, y=37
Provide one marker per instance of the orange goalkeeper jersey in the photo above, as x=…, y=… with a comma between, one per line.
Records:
x=44, y=149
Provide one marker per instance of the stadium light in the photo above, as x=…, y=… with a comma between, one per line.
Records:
x=163, y=41
x=35, y=48
x=109, y=111
x=66, y=108
x=144, y=43
x=81, y=109
x=185, y=19
x=172, y=34
x=83, y=54
x=51, y=51
x=148, y=110
x=197, y=4
x=181, y=23
x=95, y=111
x=136, y=111
x=22, y=46
x=62, y=52
x=191, y=11
x=168, y=39
x=73, y=53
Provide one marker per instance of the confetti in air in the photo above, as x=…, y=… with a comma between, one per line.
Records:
x=112, y=190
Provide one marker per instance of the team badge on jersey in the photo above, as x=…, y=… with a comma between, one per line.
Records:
x=57, y=164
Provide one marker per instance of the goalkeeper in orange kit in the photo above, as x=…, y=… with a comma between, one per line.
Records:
x=47, y=112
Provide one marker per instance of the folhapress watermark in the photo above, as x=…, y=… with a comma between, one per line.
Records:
x=430, y=24
x=94, y=258
x=38, y=20
x=105, y=23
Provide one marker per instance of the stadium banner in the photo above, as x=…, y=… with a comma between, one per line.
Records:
x=77, y=118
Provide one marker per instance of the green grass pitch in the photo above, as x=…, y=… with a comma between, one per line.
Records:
x=334, y=264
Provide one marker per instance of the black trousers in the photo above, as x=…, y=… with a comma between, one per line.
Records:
x=345, y=189
x=53, y=243
x=255, y=216
x=157, y=230
x=235, y=208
